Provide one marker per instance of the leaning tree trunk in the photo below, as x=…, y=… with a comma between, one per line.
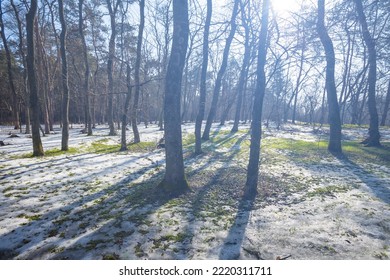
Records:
x=334, y=145
x=34, y=99
x=174, y=181
x=65, y=88
x=221, y=72
x=15, y=99
x=254, y=153
x=134, y=113
x=373, y=131
x=203, y=78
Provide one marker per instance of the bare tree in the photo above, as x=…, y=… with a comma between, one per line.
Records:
x=386, y=107
x=334, y=145
x=203, y=77
x=88, y=118
x=373, y=131
x=137, y=70
x=34, y=99
x=221, y=72
x=15, y=98
x=112, y=7
x=244, y=68
x=254, y=154
x=65, y=87
x=174, y=181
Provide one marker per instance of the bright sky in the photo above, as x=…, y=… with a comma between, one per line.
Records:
x=284, y=5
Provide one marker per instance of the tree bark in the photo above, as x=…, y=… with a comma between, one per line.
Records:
x=25, y=95
x=112, y=9
x=64, y=76
x=221, y=72
x=87, y=71
x=34, y=99
x=15, y=98
x=174, y=181
x=203, y=80
x=334, y=145
x=125, y=109
x=244, y=70
x=373, y=131
x=254, y=153
x=386, y=107
x=134, y=113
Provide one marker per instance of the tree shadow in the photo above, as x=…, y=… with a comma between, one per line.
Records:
x=118, y=219
x=219, y=183
x=377, y=186
x=231, y=249
x=50, y=232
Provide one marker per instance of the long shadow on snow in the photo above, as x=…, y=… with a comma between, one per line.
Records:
x=64, y=220
x=216, y=184
x=380, y=188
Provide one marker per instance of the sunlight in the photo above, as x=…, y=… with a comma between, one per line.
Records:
x=281, y=6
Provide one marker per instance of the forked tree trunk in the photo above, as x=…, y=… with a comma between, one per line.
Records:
x=244, y=70
x=34, y=99
x=174, y=181
x=334, y=145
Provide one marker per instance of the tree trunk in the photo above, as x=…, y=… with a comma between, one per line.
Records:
x=34, y=99
x=254, y=153
x=244, y=70
x=174, y=181
x=221, y=72
x=334, y=145
x=134, y=113
x=203, y=80
x=87, y=71
x=112, y=8
x=125, y=109
x=15, y=98
x=23, y=57
x=373, y=131
x=386, y=107
x=64, y=76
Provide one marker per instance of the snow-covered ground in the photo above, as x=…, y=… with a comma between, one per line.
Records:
x=94, y=204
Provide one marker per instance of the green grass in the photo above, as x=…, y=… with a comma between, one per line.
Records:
x=30, y=218
x=51, y=153
x=7, y=189
x=327, y=191
x=92, y=244
x=311, y=151
x=101, y=147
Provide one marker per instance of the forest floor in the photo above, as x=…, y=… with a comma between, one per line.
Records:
x=94, y=202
